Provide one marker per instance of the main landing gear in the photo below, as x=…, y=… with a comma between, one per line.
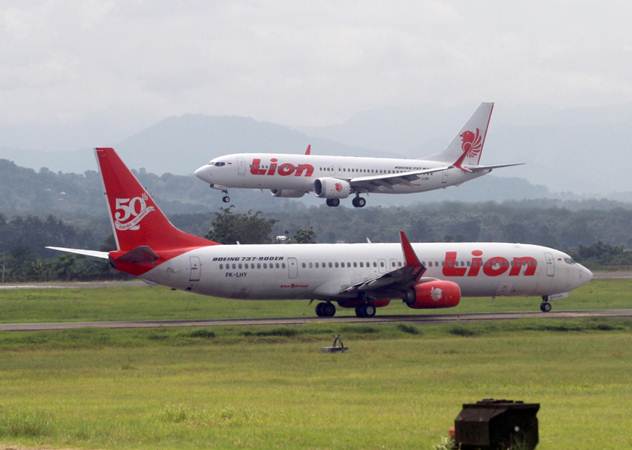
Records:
x=358, y=201
x=545, y=306
x=325, y=309
x=365, y=310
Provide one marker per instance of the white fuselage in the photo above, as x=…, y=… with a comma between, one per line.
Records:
x=297, y=173
x=323, y=271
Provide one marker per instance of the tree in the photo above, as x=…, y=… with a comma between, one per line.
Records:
x=229, y=227
x=304, y=236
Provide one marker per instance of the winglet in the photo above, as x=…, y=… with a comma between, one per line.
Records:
x=308, y=150
x=409, y=254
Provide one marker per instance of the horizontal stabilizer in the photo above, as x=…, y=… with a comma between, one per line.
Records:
x=490, y=167
x=77, y=251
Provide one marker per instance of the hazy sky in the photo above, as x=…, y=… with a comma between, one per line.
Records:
x=111, y=67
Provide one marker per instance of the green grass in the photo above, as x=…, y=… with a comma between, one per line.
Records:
x=262, y=387
x=399, y=386
x=146, y=303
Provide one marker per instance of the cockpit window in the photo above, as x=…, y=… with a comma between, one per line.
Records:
x=218, y=164
x=569, y=261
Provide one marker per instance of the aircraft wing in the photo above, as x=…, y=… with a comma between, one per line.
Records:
x=368, y=184
x=77, y=251
x=399, y=279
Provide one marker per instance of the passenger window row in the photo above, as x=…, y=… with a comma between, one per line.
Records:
x=349, y=264
x=239, y=266
x=337, y=265
x=355, y=170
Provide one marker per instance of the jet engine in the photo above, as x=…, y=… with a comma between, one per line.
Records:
x=332, y=188
x=433, y=294
x=293, y=193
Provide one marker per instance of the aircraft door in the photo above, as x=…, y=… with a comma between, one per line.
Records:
x=196, y=268
x=550, y=264
x=242, y=166
x=444, y=177
x=292, y=267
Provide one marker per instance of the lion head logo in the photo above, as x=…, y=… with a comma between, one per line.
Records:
x=436, y=294
x=338, y=187
x=471, y=142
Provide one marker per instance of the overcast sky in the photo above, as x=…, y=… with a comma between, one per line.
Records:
x=112, y=67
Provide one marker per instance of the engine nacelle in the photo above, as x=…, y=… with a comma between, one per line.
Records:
x=291, y=193
x=433, y=294
x=332, y=188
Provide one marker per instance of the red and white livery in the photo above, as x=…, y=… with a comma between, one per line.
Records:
x=360, y=276
x=338, y=177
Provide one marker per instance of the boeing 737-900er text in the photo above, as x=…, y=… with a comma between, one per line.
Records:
x=362, y=276
x=338, y=177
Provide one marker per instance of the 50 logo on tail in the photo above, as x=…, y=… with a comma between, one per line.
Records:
x=130, y=212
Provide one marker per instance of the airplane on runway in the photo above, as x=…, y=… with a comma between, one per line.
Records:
x=362, y=276
x=338, y=177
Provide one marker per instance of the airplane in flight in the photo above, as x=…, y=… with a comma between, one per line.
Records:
x=338, y=177
x=363, y=276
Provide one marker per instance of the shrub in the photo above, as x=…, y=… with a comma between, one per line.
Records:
x=202, y=333
x=462, y=331
x=408, y=329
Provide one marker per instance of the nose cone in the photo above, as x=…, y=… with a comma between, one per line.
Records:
x=203, y=173
x=585, y=275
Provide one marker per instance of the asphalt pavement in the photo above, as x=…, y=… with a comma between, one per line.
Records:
x=434, y=318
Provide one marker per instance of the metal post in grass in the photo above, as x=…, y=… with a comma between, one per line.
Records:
x=337, y=346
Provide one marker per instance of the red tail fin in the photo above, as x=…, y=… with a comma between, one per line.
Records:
x=136, y=218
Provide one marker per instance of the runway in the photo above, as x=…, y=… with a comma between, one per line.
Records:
x=434, y=318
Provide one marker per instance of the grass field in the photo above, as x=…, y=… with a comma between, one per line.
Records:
x=399, y=386
x=138, y=303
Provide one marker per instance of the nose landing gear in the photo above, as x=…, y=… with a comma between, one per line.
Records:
x=226, y=197
x=545, y=306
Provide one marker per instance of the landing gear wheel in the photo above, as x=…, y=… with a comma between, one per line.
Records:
x=358, y=202
x=545, y=307
x=367, y=310
x=226, y=199
x=333, y=202
x=325, y=309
